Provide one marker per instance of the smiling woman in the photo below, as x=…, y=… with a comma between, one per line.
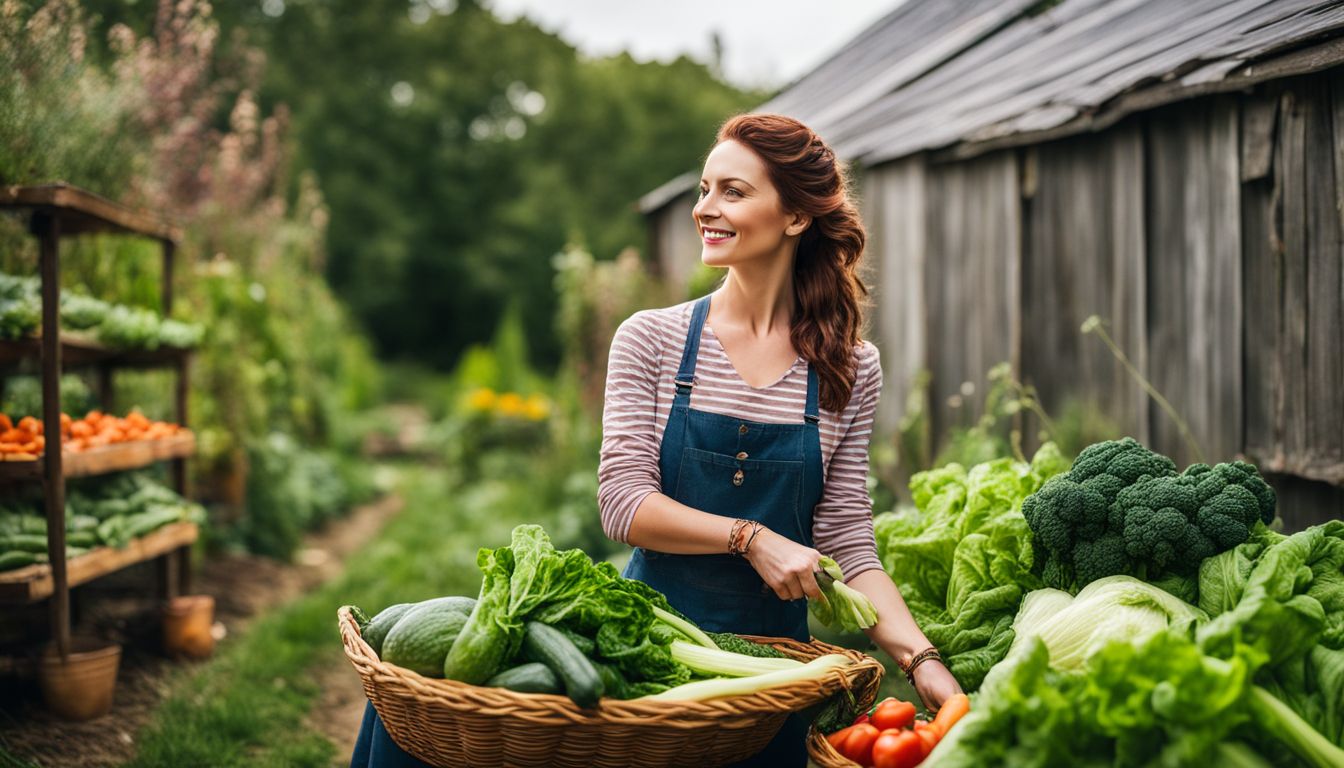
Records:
x=736, y=427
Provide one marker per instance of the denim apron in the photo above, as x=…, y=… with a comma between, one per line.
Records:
x=770, y=473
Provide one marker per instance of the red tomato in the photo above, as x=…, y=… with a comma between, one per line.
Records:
x=897, y=749
x=894, y=713
x=858, y=745
x=838, y=738
x=862, y=718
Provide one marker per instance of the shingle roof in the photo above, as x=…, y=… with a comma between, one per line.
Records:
x=936, y=73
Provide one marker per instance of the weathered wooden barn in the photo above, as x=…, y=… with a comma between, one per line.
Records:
x=1173, y=166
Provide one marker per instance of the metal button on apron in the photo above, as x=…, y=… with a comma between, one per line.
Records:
x=742, y=429
x=741, y=455
x=737, y=477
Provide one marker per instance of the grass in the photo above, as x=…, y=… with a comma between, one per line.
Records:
x=247, y=707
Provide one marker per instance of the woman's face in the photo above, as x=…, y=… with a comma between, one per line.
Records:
x=739, y=215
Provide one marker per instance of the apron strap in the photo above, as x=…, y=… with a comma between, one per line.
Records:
x=810, y=413
x=686, y=372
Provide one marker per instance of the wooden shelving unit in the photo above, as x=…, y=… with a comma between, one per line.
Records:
x=55, y=211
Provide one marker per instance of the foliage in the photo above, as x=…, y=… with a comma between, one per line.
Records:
x=963, y=558
x=457, y=150
x=279, y=352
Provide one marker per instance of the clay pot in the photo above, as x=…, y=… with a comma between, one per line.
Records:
x=80, y=688
x=186, y=626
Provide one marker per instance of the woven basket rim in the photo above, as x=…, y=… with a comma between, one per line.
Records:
x=378, y=674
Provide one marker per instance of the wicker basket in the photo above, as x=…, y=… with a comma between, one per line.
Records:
x=823, y=754
x=449, y=724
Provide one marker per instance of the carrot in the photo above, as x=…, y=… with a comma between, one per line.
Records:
x=952, y=710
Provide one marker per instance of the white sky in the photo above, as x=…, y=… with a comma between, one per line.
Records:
x=766, y=43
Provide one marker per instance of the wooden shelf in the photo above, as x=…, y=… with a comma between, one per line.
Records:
x=79, y=351
x=82, y=212
x=34, y=582
x=100, y=461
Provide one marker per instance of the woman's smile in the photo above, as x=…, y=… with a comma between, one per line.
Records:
x=714, y=236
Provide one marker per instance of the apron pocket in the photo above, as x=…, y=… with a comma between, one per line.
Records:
x=724, y=485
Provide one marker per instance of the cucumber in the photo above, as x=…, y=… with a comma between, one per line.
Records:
x=84, y=539
x=18, y=559
x=26, y=542
x=549, y=646
x=527, y=678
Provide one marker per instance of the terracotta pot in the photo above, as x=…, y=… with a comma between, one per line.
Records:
x=81, y=688
x=186, y=626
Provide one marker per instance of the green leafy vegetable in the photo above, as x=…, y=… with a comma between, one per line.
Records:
x=841, y=604
x=1116, y=607
x=963, y=560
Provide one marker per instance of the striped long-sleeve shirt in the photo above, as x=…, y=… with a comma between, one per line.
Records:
x=645, y=355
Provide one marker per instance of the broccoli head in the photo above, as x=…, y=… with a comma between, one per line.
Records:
x=1064, y=512
x=1248, y=477
x=1122, y=508
x=1099, y=558
x=1126, y=459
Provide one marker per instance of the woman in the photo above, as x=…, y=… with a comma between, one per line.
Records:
x=736, y=428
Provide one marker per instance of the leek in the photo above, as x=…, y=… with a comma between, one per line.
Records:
x=684, y=627
x=711, y=661
x=700, y=690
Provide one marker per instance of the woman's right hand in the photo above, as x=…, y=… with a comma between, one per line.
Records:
x=789, y=568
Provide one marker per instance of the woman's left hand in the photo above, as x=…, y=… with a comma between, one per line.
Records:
x=935, y=684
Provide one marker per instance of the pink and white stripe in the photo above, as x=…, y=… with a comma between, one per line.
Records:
x=644, y=358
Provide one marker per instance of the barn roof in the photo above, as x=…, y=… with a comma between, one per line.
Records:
x=974, y=74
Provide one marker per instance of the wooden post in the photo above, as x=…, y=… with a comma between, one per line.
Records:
x=48, y=228
x=180, y=396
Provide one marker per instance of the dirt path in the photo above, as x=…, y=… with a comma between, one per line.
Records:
x=244, y=587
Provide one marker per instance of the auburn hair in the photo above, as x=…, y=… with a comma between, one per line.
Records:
x=828, y=294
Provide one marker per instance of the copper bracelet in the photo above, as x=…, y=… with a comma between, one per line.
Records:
x=755, y=529
x=734, y=535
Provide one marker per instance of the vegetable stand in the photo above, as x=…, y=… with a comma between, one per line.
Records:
x=57, y=211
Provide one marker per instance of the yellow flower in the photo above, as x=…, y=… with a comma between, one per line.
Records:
x=537, y=408
x=481, y=399
x=510, y=404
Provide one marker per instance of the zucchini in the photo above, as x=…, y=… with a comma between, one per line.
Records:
x=34, y=524
x=548, y=645
x=527, y=678
x=148, y=522
x=84, y=539
x=27, y=542
x=17, y=559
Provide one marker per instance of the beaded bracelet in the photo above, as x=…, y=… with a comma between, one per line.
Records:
x=917, y=659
